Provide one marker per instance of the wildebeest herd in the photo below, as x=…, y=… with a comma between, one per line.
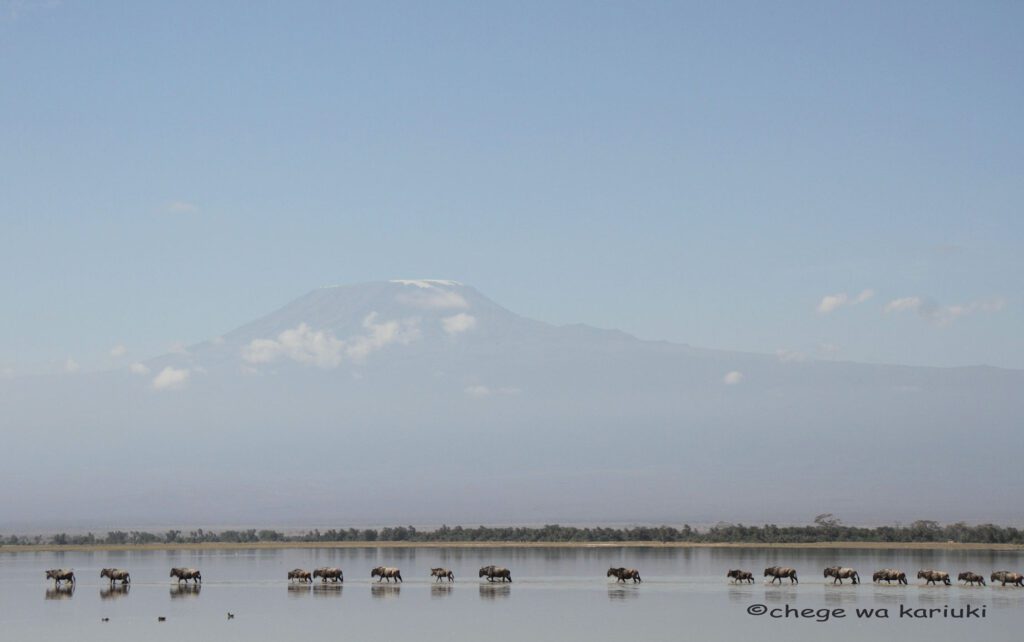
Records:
x=621, y=574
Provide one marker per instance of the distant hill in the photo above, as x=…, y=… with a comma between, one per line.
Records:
x=425, y=402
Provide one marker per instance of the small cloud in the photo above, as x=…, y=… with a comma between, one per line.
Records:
x=249, y=371
x=829, y=350
x=118, y=351
x=930, y=310
x=7, y=372
x=178, y=347
x=732, y=378
x=139, y=369
x=170, y=378
x=790, y=356
x=217, y=341
x=458, y=323
x=181, y=207
x=833, y=302
x=321, y=348
x=71, y=365
x=480, y=391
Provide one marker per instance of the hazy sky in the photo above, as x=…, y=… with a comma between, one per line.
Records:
x=703, y=173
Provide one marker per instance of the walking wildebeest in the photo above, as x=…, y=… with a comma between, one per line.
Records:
x=386, y=573
x=496, y=572
x=440, y=573
x=59, y=575
x=841, y=573
x=967, y=577
x=186, y=574
x=622, y=574
x=740, y=576
x=300, y=574
x=331, y=573
x=1008, y=577
x=116, y=575
x=934, y=577
x=779, y=572
x=887, y=575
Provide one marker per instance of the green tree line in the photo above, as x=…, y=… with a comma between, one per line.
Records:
x=824, y=529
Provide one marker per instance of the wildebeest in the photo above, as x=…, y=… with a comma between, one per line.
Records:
x=1008, y=577
x=496, y=572
x=441, y=573
x=622, y=574
x=967, y=577
x=933, y=577
x=331, y=573
x=300, y=574
x=740, y=576
x=386, y=573
x=888, y=575
x=186, y=574
x=59, y=575
x=841, y=573
x=116, y=575
x=779, y=572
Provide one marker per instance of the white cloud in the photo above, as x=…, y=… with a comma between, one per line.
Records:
x=177, y=347
x=458, y=323
x=828, y=350
x=833, y=302
x=139, y=369
x=181, y=207
x=732, y=378
x=931, y=311
x=71, y=365
x=322, y=349
x=118, y=351
x=790, y=356
x=486, y=391
x=170, y=378
x=217, y=341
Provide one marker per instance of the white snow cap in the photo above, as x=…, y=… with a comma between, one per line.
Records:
x=425, y=283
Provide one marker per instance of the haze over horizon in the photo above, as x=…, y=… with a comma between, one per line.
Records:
x=417, y=401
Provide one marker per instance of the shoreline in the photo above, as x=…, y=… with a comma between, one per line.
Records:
x=213, y=546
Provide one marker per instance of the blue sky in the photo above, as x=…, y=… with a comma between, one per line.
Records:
x=702, y=173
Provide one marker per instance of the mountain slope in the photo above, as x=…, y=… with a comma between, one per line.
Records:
x=424, y=401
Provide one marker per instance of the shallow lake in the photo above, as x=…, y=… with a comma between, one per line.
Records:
x=556, y=594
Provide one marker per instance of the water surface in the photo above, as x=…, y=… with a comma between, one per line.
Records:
x=556, y=594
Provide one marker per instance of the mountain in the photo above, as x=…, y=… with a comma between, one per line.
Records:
x=425, y=402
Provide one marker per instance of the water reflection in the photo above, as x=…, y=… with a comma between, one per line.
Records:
x=60, y=592
x=115, y=591
x=185, y=590
x=739, y=593
x=385, y=590
x=298, y=590
x=780, y=594
x=495, y=591
x=616, y=593
x=441, y=590
x=327, y=590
